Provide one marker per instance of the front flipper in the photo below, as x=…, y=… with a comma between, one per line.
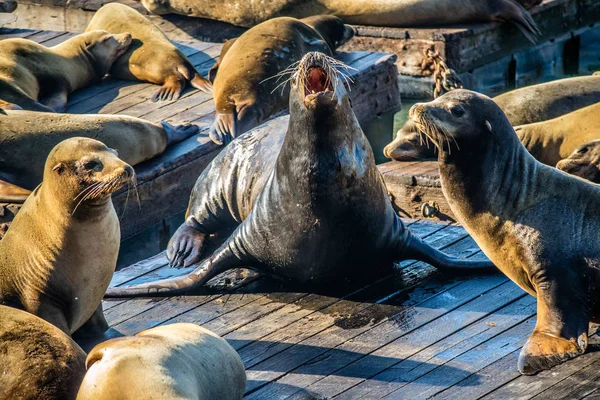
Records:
x=186, y=245
x=170, y=90
x=95, y=326
x=514, y=13
x=10, y=193
x=223, y=259
x=561, y=330
x=179, y=133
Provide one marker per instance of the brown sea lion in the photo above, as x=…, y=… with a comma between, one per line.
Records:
x=40, y=78
x=307, y=206
x=522, y=106
x=172, y=362
x=537, y=224
x=59, y=254
x=39, y=361
x=400, y=13
x=583, y=162
x=246, y=90
x=553, y=140
x=151, y=57
x=27, y=141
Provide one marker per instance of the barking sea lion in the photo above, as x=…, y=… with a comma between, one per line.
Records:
x=309, y=205
x=59, y=255
x=539, y=225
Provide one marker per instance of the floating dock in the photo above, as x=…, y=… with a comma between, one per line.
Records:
x=415, y=334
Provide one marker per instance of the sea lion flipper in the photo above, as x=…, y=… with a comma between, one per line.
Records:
x=185, y=247
x=170, y=90
x=223, y=128
x=10, y=193
x=56, y=101
x=560, y=332
x=179, y=133
x=201, y=83
x=520, y=17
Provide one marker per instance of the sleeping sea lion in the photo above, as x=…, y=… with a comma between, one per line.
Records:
x=27, y=141
x=40, y=78
x=539, y=225
x=151, y=57
x=39, y=361
x=583, y=162
x=522, y=106
x=399, y=13
x=245, y=91
x=171, y=362
x=59, y=254
x=308, y=205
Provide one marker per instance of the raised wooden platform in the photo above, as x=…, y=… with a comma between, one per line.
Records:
x=415, y=334
x=165, y=183
x=490, y=58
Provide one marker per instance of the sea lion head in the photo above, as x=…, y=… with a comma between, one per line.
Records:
x=462, y=120
x=104, y=48
x=332, y=29
x=8, y=6
x=583, y=162
x=317, y=92
x=85, y=171
x=410, y=144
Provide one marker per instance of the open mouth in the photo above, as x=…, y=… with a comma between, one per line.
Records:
x=317, y=81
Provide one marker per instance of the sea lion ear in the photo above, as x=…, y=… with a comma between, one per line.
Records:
x=488, y=125
x=59, y=168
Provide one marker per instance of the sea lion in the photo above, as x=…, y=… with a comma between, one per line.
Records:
x=398, y=13
x=8, y=6
x=309, y=205
x=172, y=362
x=522, y=106
x=583, y=162
x=27, y=141
x=40, y=78
x=245, y=91
x=59, y=254
x=537, y=224
x=151, y=57
x=38, y=360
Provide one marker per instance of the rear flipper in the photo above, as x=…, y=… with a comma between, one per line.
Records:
x=171, y=90
x=561, y=329
x=186, y=245
x=419, y=250
x=179, y=133
x=223, y=259
x=10, y=193
x=514, y=13
x=195, y=79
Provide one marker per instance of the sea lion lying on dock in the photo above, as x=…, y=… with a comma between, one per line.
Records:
x=246, y=90
x=59, y=254
x=170, y=362
x=308, y=205
x=398, y=13
x=584, y=162
x=151, y=57
x=40, y=78
x=539, y=225
x=522, y=106
x=39, y=361
x=27, y=141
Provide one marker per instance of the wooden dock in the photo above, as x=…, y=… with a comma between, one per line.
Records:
x=165, y=182
x=418, y=333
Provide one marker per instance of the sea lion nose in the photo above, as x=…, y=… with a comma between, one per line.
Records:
x=129, y=171
x=415, y=109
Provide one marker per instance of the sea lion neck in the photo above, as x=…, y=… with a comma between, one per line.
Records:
x=466, y=175
x=80, y=59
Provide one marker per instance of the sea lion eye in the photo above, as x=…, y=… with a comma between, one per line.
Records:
x=582, y=150
x=92, y=164
x=457, y=112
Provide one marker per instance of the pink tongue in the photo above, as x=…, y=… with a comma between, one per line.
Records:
x=316, y=79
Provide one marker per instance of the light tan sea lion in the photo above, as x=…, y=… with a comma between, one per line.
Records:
x=171, y=362
x=151, y=57
x=27, y=141
x=540, y=226
x=39, y=361
x=40, y=78
x=246, y=90
x=522, y=106
x=553, y=140
x=400, y=13
x=584, y=162
x=59, y=254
